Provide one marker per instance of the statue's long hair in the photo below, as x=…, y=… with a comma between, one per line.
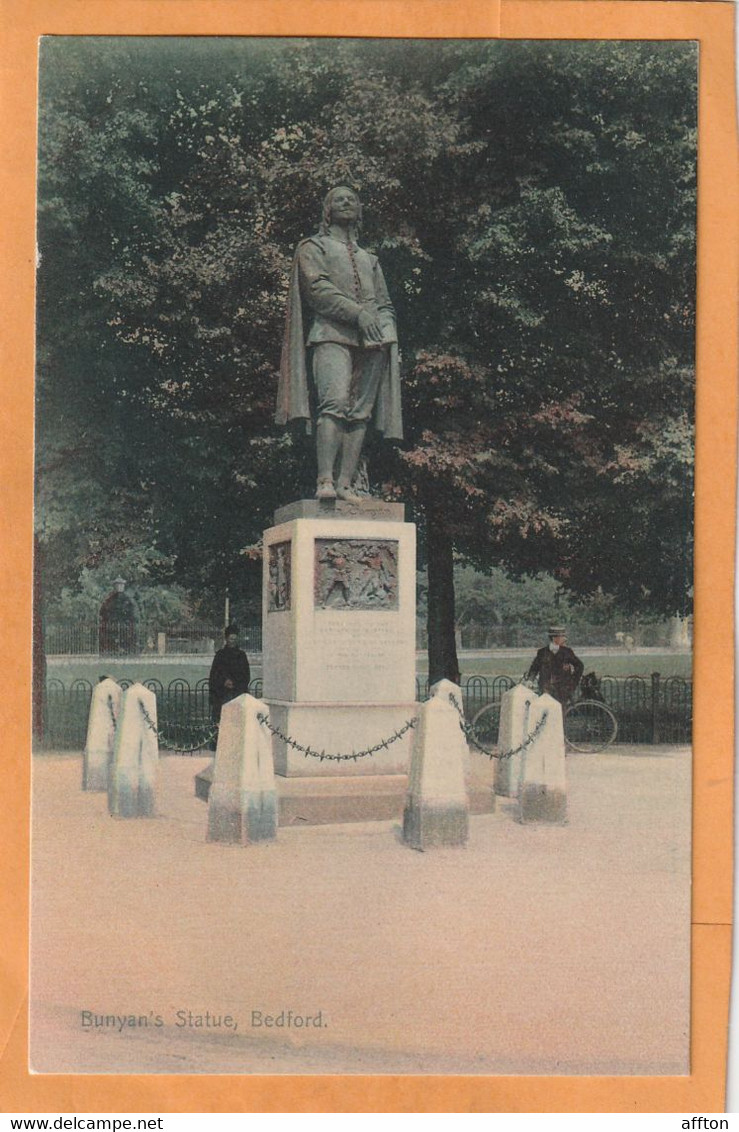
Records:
x=325, y=222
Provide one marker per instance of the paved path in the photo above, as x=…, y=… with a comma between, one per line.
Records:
x=535, y=950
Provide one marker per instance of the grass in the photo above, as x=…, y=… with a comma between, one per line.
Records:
x=140, y=668
x=511, y=662
x=515, y=662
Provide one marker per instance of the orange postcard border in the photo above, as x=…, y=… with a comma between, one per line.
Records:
x=712, y=24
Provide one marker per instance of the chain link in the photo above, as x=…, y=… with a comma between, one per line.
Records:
x=111, y=709
x=308, y=752
x=469, y=733
x=168, y=745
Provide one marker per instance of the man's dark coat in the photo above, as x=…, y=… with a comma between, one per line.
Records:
x=229, y=663
x=558, y=672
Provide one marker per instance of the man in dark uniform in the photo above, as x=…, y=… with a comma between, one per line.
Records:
x=117, y=631
x=556, y=667
x=229, y=673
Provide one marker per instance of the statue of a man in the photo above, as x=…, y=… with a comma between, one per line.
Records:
x=340, y=350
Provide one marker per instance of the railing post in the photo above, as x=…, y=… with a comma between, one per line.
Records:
x=655, y=707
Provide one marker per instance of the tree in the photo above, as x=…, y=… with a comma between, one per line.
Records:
x=496, y=599
x=533, y=204
x=553, y=418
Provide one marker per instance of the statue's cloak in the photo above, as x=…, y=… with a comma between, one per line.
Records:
x=293, y=389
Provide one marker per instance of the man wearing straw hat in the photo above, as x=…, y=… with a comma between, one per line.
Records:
x=556, y=667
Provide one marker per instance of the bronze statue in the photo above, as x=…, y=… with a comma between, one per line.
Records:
x=340, y=335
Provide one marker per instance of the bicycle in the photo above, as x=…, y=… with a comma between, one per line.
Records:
x=484, y=726
x=589, y=724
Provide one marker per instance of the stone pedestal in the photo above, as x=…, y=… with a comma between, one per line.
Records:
x=102, y=723
x=242, y=802
x=133, y=777
x=542, y=794
x=347, y=798
x=436, y=809
x=339, y=626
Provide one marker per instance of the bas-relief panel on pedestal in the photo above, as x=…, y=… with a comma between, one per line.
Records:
x=356, y=574
x=280, y=561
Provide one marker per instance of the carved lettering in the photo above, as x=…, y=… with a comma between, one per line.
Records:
x=346, y=646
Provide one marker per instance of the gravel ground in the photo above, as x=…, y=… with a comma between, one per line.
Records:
x=534, y=950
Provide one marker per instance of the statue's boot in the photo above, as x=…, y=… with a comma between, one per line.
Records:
x=347, y=493
x=351, y=450
x=329, y=433
x=325, y=490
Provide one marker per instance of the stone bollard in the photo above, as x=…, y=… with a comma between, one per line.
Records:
x=102, y=722
x=542, y=795
x=436, y=808
x=515, y=724
x=133, y=777
x=242, y=804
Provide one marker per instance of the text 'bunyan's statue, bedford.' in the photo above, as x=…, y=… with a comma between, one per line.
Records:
x=341, y=346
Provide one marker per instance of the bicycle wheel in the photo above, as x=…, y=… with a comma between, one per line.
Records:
x=589, y=726
x=485, y=726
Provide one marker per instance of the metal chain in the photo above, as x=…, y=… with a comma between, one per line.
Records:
x=308, y=752
x=204, y=741
x=469, y=732
x=111, y=709
x=168, y=745
x=383, y=744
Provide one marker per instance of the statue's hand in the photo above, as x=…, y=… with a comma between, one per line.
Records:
x=369, y=327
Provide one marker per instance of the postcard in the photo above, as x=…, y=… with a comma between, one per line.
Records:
x=375, y=733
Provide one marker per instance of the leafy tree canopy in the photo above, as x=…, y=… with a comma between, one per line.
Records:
x=533, y=204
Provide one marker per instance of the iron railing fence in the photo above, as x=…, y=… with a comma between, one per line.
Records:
x=526, y=636
x=649, y=709
x=183, y=711
x=151, y=637
x=141, y=638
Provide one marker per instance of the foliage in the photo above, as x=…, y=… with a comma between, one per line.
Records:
x=165, y=604
x=563, y=441
x=533, y=205
x=497, y=599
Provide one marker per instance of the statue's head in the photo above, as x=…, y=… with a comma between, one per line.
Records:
x=341, y=203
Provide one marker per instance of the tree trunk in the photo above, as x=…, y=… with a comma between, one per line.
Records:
x=39, y=654
x=443, y=663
